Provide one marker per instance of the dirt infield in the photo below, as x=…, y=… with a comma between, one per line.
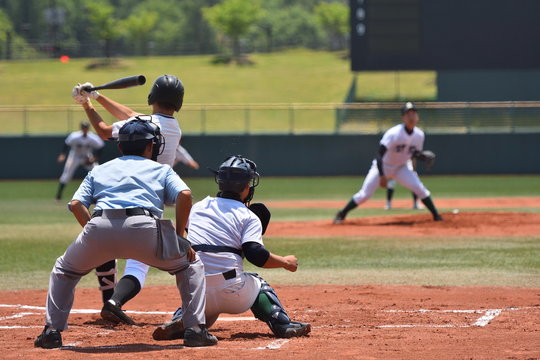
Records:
x=461, y=224
x=349, y=322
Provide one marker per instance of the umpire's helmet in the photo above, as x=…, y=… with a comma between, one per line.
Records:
x=167, y=89
x=235, y=173
x=135, y=134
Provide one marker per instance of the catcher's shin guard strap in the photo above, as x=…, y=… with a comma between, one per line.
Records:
x=268, y=308
x=106, y=275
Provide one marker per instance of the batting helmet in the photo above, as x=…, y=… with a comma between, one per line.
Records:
x=235, y=173
x=167, y=89
x=409, y=106
x=135, y=134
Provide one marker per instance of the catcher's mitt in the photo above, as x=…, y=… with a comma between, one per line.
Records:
x=427, y=156
x=262, y=213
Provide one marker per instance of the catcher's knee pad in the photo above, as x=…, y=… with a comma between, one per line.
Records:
x=106, y=275
x=267, y=306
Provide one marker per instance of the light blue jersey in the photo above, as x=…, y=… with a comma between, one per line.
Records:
x=130, y=181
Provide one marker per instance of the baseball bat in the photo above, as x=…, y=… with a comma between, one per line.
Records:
x=120, y=83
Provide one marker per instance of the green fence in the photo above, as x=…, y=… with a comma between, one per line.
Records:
x=354, y=118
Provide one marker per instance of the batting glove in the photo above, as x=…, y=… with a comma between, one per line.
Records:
x=93, y=94
x=77, y=96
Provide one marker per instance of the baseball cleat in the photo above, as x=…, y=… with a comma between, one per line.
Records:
x=338, y=219
x=417, y=206
x=114, y=313
x=170, y=331
x=437, y=218
x=388, y=206
x=49, y=339
x=197, y=339
x=292, y=329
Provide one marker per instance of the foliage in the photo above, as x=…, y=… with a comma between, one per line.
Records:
x=180, y=27
x=334, y=17
x=104, y=25
x=234, y=19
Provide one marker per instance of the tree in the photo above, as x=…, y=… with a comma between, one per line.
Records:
x=138, y=27
x=234, y=18
x=334, y=17
x=104, y=25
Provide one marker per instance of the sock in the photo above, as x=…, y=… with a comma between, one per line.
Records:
x=389, y=194
x=126, y=289
x=60, y=190
x=429, y=204
x=350, y=205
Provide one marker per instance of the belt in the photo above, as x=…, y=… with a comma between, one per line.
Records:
x=231, y=274
x=216, y=249
x=129, y=212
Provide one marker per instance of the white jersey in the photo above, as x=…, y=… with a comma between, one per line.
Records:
x=82, y=146
x=222, y=222
x=400, y=145
x=183, y=156
x=169, y=129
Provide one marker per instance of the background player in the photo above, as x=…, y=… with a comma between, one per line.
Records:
x=184, y=157
x=390, y=186
x=397, y=146
x=166, y=97
x=83, y=148
x=223, y=230
x=129, y=194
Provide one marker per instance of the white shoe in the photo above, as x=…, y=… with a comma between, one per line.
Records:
x=417, y=206
x=388, y=206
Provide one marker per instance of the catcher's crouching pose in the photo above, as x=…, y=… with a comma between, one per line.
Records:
x=398, y=145
x=129, y=195
x=222, y=230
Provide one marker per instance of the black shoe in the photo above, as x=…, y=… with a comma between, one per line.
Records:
x=114, y=313
x=170, y=331
x=338, y=219
x=292, y=329
x=437, y=218
x=201, y=338
x=50, y=340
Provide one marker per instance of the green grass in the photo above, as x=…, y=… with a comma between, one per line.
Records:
x=35, y=230
x=295, y=76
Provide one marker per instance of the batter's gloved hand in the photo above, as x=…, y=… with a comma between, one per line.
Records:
x=262, y=213
x=93, y=94
x=77, y=96
x=427, y=156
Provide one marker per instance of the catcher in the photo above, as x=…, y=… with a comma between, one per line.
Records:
x=398, y=145
x=223, y=230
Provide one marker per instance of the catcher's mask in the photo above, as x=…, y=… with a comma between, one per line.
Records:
x=136, y=133
x=235, y=173
x=167, y=89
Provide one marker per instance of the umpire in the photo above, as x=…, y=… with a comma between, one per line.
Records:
x=129, y=194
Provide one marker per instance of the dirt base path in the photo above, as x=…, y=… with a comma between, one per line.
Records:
x=461, y=224
x=349, y=322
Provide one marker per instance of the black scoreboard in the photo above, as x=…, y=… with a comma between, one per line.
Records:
x=445, y=34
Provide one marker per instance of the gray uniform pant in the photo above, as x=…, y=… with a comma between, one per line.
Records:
x=116, y=236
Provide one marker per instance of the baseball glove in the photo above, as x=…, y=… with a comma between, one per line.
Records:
x=427, y=156
x=262, y=213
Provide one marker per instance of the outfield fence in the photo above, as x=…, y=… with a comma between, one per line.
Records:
x=329, y=118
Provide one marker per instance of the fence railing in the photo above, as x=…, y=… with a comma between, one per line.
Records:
x=362, y=118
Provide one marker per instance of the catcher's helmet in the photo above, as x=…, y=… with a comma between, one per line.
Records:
x=409, y=106
x=136, y=133
x=167, y=89
x=235, y=173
